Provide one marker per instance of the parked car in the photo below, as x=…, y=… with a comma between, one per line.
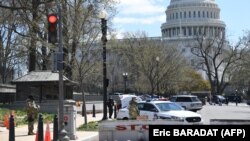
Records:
x=188, y=102
x=248, y=102
x=232, y=98
x=163, y=110
x=218, y=99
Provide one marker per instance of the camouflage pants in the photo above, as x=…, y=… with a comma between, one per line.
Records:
x=30, y=127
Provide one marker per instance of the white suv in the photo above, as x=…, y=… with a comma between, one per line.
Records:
x=188, y=102
x=163, y=110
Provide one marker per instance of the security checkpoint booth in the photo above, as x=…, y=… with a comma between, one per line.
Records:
x=44, y=87
x=69, y=118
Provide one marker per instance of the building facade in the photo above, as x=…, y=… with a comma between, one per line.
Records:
x=186, y=20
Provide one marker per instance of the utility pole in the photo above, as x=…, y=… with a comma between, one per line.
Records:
x=62, y=133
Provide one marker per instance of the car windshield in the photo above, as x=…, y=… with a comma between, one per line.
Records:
x=221, y=97
x=169, y=106
x=195, y=99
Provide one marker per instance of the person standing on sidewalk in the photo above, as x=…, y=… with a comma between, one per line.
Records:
x=133, y=109
x=226, y=101
x=236, y=100
x=32, y=111
x=110, y=107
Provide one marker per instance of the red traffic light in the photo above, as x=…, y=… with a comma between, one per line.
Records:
x=52, y=18
x=52, y=28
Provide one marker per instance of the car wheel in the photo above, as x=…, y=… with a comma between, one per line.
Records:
x=125, y=118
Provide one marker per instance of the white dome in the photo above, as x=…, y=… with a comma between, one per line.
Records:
x=191, y=1
x=187, y=17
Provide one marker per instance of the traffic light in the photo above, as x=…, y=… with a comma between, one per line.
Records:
x=52, y=28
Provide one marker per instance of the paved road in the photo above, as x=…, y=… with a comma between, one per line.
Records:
x=230, y=111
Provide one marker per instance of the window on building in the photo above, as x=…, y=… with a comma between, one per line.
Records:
x=194, y=14
x=189, y=14
x=181, y=15
x=199, y=14
x=185, y=15
x=184, y=32
x=207, y=14
x=203, y=14
x=176, y=15
x=195, y=31
x=200, y=33
x=189, y=31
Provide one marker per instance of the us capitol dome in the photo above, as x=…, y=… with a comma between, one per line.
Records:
x=188, y=18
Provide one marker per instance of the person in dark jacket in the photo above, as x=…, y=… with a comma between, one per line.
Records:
x=236, y=100
x=226, y=100
x=110, y=106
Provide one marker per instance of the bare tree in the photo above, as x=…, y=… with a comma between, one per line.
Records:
x=216, y=57
x=140, y=53
x=81, y=23
x=11, y=54
x=30, y=25
x=240, y=78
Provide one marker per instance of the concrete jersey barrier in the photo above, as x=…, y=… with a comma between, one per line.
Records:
x=129, y=130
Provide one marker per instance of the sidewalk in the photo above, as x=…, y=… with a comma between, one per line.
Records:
x=21, y=131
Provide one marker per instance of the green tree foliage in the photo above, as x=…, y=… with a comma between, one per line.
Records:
x=193, y=81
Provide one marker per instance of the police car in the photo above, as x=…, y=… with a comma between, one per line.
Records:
x=163, y=110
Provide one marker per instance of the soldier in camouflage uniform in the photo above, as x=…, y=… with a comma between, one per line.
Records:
x=133, y=109
x=32, y=110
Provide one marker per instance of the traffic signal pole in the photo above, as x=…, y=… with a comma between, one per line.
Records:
x=62, y=132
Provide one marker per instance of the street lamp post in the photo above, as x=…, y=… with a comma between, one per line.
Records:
x=157, y=65
x=103, y=16
x=125, y=76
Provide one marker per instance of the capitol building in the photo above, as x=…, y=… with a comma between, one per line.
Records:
x=188, y=19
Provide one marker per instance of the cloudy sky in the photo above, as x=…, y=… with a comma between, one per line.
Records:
x=148, y=15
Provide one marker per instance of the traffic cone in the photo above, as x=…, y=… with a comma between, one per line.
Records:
x=36, y=139
x=6, y=121
x=36, y=136
x=47, y=133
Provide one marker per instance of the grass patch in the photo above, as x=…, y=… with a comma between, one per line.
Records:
x=91, y=126
x=21, y=116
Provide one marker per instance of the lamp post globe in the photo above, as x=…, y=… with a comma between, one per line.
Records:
x=103, y=15
x=125, y=77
